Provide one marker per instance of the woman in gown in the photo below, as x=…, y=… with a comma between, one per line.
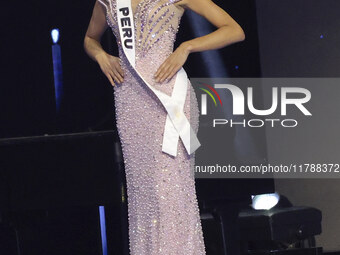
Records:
x=163, y=212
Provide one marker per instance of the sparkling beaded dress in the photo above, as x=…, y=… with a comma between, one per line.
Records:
x=163, y=212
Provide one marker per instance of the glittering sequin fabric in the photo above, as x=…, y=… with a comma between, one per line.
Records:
x=162, y=205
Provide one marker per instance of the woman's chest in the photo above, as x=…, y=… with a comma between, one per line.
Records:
x=148, y=14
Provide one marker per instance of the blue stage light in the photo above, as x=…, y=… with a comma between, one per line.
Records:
x=55, y=35
x=57, y=69
x=103, y=229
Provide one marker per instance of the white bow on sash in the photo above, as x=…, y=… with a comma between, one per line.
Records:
x=177, y=125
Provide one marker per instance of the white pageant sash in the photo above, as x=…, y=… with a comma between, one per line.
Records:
x=177, y=125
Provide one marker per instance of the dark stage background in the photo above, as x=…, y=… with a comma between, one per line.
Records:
x=300, y=38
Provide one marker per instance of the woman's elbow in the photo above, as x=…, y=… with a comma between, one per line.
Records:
x=85, y=42
x=235, y=33
x=240, y=33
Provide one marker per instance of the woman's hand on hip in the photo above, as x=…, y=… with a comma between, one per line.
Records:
x=110, y=66
x=173, y=63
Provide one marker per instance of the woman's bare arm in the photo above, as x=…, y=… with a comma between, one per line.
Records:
x=95, y=30
x=110, y=65
x=228, y=32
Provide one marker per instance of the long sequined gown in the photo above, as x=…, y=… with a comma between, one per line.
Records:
x=163, y=212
